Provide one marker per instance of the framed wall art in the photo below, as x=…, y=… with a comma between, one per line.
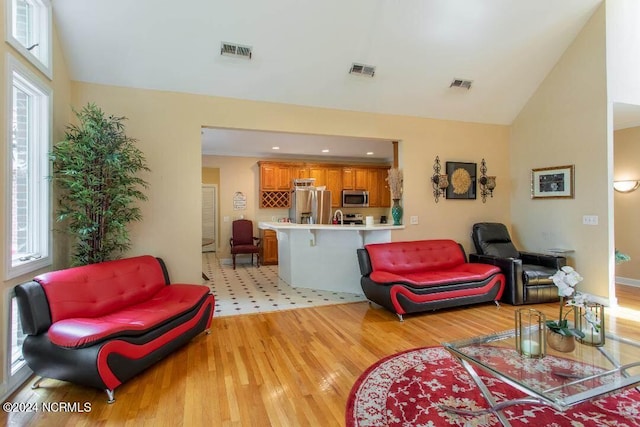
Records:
x=462, y=180
x=554, y=182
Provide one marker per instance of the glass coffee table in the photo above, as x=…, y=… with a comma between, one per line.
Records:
x=559, y=380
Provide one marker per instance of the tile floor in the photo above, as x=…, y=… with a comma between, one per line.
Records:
x=248, y=289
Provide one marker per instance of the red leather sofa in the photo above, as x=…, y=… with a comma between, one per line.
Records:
x=416, y=276
x=101, y=324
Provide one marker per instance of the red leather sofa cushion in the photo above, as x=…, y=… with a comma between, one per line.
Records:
x=169, y=302
x=421, y=279
x=96, y=290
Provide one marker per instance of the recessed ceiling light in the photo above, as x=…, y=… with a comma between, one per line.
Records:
x=369, y=153
x=275, y=148
x=325, y=150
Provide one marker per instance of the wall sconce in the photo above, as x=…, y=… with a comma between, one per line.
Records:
x=439, y=181
x=626, y=186
x=487, y=183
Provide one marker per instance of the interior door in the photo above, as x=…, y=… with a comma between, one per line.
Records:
x=209, y=217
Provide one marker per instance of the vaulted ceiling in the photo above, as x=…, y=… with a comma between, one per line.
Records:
x=302, y=50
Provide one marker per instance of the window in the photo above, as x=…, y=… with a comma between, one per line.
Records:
x=28, y=212
x=28, y=30
x=16, y=369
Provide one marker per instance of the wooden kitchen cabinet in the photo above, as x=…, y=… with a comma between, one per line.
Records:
x=300, y=172
x=355, y=178
x=374, y=188
x=275, y=177
x=334, y=184
x=319, y=173
x=383, y=185
x=269, y=248
x=276, y=182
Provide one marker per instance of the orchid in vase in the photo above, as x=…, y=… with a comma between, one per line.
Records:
x=566, y=280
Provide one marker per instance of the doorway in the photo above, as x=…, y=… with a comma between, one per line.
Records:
x=209, y=217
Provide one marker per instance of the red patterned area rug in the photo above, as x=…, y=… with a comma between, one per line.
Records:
x=406, y=389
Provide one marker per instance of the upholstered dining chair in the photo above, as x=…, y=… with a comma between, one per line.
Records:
x=527, y=274
x=242, y=240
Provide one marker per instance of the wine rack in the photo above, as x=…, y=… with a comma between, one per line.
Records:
x=275, y=199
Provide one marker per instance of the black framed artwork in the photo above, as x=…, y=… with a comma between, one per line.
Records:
x=462, y=180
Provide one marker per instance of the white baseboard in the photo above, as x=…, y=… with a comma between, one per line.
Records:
x=628, y=282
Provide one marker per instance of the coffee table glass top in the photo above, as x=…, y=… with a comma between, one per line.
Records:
x=558, y=379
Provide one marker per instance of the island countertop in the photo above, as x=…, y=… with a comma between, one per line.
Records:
x=292, y=225
x=324, y=256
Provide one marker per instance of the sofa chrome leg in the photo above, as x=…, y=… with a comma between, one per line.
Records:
x=111, y=395
x=36, y=384
x=207, y=331
x=497, y=303
x=400, y=317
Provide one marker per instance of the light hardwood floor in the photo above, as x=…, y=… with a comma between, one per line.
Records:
x=289, y=368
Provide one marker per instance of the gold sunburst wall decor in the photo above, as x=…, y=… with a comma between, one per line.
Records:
x=461, y=181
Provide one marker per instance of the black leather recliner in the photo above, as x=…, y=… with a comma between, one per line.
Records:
x=527, y=274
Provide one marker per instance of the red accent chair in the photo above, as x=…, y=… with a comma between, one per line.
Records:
x=242, y=240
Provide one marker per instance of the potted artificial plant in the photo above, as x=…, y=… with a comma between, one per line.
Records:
x=96, y=169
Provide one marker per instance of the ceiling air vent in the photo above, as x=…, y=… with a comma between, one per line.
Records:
x=362, y=69
x=237, y=50
x=464, y=84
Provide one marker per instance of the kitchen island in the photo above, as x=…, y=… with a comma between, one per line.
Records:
x=323, y=256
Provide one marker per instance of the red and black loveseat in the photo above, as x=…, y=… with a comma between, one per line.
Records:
x=416, y=276
x=101, y=324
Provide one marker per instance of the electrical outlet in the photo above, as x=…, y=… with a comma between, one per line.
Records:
x=414, y=220
x=590, y=219
x=225, y=219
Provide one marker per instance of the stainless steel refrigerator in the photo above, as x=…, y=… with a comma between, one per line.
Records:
x=310, y=206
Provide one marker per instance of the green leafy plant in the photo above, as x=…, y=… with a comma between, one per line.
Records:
x=621, y=257
x=96, y=169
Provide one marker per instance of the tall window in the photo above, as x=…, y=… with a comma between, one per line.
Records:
x=29, y=125
x=29, y=31
x=16, y=370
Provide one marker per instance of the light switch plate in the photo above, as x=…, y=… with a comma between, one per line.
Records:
x=590, y=219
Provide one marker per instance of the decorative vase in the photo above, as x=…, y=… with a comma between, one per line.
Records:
x=530, y=336
x=396, y=212
x=592, y=335
x=559, y=342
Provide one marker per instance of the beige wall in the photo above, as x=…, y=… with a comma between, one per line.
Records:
x=210, y=175
x=168, y=125
x=565, y=122
x=61, y=114
x=627, y=205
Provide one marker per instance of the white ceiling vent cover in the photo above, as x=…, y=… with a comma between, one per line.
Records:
x=362, y=70
x=234, y=49
x=464, y=84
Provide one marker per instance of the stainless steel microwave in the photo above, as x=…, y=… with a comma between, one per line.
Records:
x=355, y=199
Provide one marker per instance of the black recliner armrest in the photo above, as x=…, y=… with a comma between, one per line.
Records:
x=511, y=267
x=545, y=260
x=512, y=270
